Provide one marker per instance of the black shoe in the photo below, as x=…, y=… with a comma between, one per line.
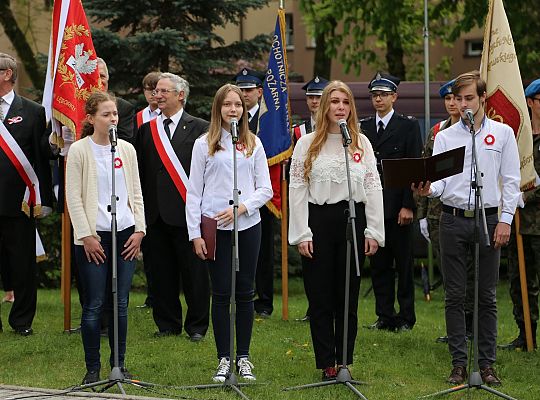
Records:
x=405, y=327
x=24, y=331
x=104, y=332
x=458, y=375
x=442, y=339
x=263, y=314
x=305, y=318
x=381, y=325
x=196, y=337
x=144, y=305
x=126, y=373
x=518, y=343
x=160, y=334
x=90, y=377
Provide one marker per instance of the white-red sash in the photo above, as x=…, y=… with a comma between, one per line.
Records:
x=299, y=131
x=140, y=120
x=17, y=157
x=169, y=157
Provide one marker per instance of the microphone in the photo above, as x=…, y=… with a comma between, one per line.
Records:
x=345, y=132
x=113, y=135
x=470, y=115
x=234, y=130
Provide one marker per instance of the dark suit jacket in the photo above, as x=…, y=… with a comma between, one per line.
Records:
x=32, y=136
x=254, y=123
x=401, y=139
x=161, y=198
x=126, y=113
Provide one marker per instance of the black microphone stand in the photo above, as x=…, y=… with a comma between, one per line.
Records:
x=231, y=380
x=475, y=379
x=344, y=375
x=116, y=377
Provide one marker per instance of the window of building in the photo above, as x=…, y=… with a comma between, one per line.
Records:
x=473, y=47
x=289, y=31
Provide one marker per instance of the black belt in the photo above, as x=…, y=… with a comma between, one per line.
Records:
x=458, y=212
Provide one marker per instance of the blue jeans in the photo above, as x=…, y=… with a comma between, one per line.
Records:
x=96, y=280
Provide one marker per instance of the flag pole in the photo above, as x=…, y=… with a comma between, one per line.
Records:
x=66, y=266
x=523, y=284
x=284, y=248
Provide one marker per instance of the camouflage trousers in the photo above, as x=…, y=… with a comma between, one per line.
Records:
x=531, y=248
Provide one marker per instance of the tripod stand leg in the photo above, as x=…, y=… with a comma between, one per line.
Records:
x=355, y=391
x=446, y=391
x=311, y=385
x=239, y=392
x=496, y=392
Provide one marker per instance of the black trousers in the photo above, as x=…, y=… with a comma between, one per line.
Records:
x=398, y=250
x=264, y=278
x=221, y=273
x=175, y=266
x=324, y=281
x=18, y=249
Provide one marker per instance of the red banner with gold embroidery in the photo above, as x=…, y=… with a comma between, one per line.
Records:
x=505, y=95
x=72, y=73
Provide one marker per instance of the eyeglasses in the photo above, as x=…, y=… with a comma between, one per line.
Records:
x=163, y=91
x=382, y=95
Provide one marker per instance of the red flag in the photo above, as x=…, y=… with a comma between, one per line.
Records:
x=72, y=73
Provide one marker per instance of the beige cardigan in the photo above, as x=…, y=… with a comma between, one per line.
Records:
x=81, y=187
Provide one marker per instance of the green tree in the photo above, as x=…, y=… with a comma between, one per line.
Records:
x=179, y=36
x=22, y=38
x=523, y=17
x=394, y=28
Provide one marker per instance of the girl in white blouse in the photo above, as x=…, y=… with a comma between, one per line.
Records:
x=318, y=203
x=210, y=191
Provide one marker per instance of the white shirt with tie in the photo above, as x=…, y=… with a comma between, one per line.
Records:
x=174, y=118
x=5, y=103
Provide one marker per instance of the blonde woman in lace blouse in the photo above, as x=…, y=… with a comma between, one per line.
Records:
x=318, y=203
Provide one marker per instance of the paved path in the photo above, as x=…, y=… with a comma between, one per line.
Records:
x=17, y=392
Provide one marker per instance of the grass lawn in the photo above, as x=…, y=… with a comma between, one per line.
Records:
x=395, y=366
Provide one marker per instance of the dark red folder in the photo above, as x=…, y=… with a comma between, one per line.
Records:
x=208, y=233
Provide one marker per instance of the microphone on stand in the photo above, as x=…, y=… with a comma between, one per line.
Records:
x=113, y=135
x=234, y=130
x=470, y=115
x=345, y=132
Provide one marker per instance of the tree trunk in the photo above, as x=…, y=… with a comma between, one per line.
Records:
x=322, y=65
x=19, y=41
x=394, y=57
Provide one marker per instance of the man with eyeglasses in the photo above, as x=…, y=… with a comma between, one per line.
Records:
x=25, y=178
x=393, y=135
x=530, y=231
x=164, y=147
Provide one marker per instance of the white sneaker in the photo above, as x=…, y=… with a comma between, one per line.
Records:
x=244, y=367
x=222, y=370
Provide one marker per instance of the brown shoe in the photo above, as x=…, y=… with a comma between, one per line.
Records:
x=489, y=377
x=458, y=375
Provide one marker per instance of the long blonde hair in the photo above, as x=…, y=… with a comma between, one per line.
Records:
x=245, y=136
x=323, y=123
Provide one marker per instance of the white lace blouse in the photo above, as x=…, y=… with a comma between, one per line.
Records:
x=328, y=185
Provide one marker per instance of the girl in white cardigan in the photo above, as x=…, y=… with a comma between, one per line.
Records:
x=88, y=194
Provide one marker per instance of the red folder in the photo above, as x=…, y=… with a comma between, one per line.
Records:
x=208, y=233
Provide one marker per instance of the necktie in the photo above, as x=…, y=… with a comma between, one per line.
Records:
x=250, y=117
x=166, y=123
x=380, y=131
x=2, y=116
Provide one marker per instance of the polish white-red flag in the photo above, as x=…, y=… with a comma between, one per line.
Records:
x=505, y=96
x=72, y=73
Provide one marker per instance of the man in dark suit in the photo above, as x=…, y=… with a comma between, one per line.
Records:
x=250, y=82
x=314, y=89
x=393, y=135
x=167, y=248
x=126, y=111
x=25, y=122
